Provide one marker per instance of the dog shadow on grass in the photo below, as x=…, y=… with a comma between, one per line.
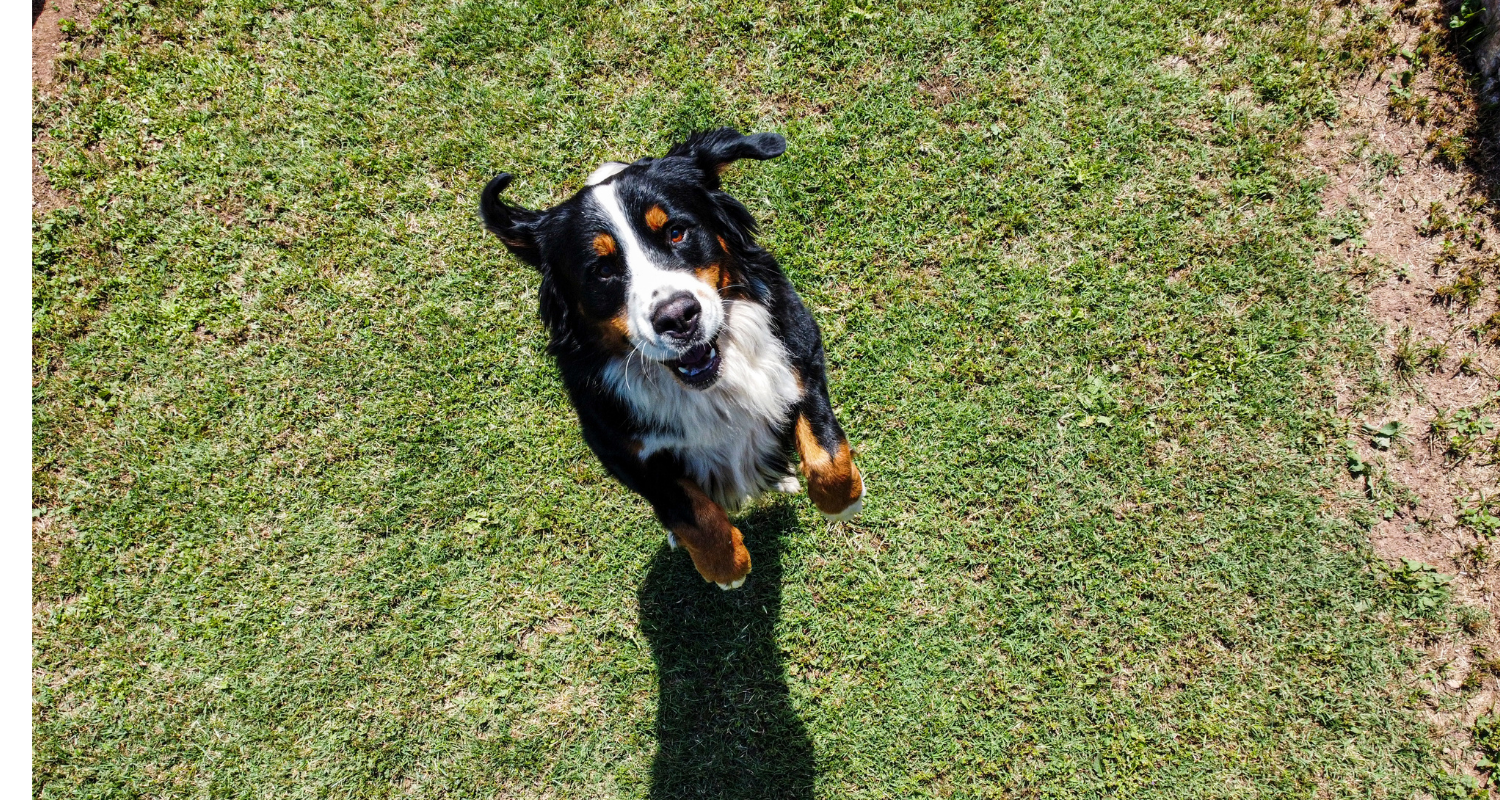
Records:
x=725, y=727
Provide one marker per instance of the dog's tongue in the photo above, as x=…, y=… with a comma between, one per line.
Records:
x=696, y=357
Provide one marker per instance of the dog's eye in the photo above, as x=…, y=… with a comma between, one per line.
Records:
x=676, y=233
x=605, y=269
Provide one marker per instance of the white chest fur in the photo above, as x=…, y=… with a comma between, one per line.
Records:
x=726, y=435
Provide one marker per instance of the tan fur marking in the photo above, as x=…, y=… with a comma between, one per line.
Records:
x=604, y=245
x=713, y=275
x=717, y=548
x=615, y=332
x=655, y=218
x=728, y=286
x=833, y=481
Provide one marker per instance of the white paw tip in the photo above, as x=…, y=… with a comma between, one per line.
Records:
x=789, y=485
x=848, y=513
x=671, y=541
x=737, y=584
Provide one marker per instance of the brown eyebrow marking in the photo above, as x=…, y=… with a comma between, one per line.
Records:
x=655, y=218
x=604, y=244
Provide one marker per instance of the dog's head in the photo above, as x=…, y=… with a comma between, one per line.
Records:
x=643, y=256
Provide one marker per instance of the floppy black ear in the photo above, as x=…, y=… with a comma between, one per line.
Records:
x=516, y=226
x=714, y=150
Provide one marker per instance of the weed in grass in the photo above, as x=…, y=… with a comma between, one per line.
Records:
x=1481, y=515
x=1424, y=590
x=1438, y=221
x=1485, y=661
x=1473, y=681
x=1096, y=399
x=1440, y=428
x=1386, y=495
x=1382, y=437
x=1448, y=254
x=1468, y=22
x=1487, y=739
x=1465, y=787
x=1469, y=430
x=1473, y=620
x=1348, y=227
x=1404, y=356
x=1366, y=269
x=1405, y=103
x=1383, y=164
x=1460, y=433
x=1389, y=496
x=1433, y=355
x=1489, y=330
x=1450, y=147
x=1463, y=292
x=1355, y=463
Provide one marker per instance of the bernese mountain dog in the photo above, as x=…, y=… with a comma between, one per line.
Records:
x=693, y=365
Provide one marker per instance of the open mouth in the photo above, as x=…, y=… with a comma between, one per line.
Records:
x=698, y=367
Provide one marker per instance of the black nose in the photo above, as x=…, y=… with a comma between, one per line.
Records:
x=677, y=316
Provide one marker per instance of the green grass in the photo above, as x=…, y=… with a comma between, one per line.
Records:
x=315, y=519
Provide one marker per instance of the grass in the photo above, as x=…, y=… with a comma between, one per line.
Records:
x=314, y=519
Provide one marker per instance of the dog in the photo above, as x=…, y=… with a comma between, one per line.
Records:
x=693, y=366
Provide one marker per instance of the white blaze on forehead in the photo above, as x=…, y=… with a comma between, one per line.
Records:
x=650, y=283
x=607, y=170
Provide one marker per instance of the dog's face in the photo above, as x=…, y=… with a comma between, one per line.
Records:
x=640, y=259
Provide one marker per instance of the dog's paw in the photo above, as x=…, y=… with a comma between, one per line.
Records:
x=788, y=485
x=719, y=556
x=850, y=512
x=671, y=541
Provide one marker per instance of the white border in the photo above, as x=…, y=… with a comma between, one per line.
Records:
x=15, y=407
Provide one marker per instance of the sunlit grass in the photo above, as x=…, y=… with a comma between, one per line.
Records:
x=315, y=518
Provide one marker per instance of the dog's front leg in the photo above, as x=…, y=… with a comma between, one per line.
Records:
x=833, y=482
x=696, y=522
x=701, y=525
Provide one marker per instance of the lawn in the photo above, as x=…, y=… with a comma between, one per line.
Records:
x=313, y=517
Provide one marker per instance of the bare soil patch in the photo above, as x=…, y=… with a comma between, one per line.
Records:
x=1422, y=238
x=46, y=43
